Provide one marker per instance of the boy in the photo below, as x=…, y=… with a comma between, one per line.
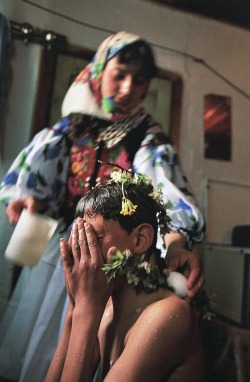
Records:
x=122, y=316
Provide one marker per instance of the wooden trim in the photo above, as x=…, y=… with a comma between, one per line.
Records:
x=175, y=116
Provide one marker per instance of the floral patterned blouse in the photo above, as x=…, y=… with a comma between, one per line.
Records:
x=51, y=169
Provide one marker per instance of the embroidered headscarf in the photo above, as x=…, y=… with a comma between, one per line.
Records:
x=84, y=95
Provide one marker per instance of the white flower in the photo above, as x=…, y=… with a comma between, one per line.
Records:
x=133, y=279
x=127, y=253
x=148, y=285
x=156, y=195
x=116, y=176
x=145, y=265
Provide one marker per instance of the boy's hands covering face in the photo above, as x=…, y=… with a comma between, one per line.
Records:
x=82, y=260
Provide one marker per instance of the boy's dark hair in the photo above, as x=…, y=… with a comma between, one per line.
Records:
x=141, y=55
x=106, y=199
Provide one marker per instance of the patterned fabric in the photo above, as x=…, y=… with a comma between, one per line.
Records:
x=46, y=168
x=114, y=133
x=159, y=161
x=40, y=170
x=85, y=170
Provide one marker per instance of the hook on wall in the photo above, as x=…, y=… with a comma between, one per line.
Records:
x=27, y=33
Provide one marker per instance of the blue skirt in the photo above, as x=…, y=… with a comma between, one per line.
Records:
x=32, y=324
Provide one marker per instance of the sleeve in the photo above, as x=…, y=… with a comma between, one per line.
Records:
x=160, y=163
x=40, y=170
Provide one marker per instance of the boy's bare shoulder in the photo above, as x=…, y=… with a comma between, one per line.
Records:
x=168, y=312
x=169, y=328
x=172, y=308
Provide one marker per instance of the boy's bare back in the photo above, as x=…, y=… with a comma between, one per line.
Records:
x=151, y=338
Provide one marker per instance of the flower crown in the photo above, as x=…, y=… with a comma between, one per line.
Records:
x=127, y=177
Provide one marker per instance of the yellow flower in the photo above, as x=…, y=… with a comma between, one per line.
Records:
x=128, y=208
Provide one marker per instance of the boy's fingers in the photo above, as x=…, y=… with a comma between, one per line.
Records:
x=82, y=240
x=94, y=249
x=65, y=253
x=75, y=243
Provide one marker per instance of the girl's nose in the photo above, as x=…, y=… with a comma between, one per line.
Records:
x=127, y=85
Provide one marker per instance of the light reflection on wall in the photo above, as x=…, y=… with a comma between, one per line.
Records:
x=217, y=127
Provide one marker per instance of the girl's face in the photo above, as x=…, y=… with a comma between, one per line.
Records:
x=123, y=84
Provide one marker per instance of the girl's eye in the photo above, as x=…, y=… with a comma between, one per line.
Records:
x=100, y=237
x=119, y=76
